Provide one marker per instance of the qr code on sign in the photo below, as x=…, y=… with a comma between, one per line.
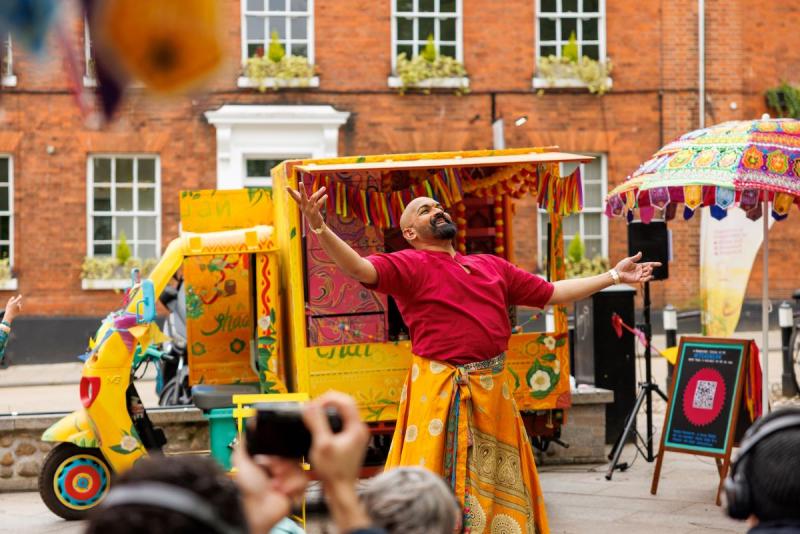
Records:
x=704, y=395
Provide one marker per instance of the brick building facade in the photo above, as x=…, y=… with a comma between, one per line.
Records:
x=161, y=145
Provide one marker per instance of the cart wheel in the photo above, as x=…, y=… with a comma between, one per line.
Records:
x=73, y=480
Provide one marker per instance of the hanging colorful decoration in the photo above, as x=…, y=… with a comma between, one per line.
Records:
x=558, y=194
x=499, y=225
x=514, y=181
x=382, y=209
x=448, y=186
x=461, y=223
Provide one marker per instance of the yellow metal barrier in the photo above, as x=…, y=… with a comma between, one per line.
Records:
x=244, y=410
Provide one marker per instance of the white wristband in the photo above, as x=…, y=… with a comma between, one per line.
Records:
x=614, y=276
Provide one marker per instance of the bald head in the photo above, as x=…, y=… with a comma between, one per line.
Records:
x=410, y=213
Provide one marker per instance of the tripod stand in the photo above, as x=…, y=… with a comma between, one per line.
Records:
x=645, y=395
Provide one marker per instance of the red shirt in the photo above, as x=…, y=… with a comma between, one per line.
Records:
x=454, y=315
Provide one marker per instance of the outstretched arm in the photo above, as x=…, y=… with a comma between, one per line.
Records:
x=13, y=306
x=347, y=259
x=627, y=271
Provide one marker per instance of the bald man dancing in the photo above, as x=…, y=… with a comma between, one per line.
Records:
x=457, y=415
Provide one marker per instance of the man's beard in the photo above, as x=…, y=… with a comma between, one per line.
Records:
x=448, y=230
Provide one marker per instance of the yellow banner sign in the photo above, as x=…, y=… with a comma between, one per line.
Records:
x=230, y=209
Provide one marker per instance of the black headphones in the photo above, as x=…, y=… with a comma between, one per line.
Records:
x=738, y=495
x=169, y=497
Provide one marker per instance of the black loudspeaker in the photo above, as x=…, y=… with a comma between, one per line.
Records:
x=601, y=358
x=652, y=240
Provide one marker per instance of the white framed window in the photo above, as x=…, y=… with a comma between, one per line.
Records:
x=293, y=20
x=7, y=208
x=9, y=79
x=591, y=223
x=124, y=196
x=414, y=20
x=258, y=169
x=556, y=20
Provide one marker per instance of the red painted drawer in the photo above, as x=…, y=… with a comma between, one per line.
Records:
x=331, y=292
x=346, y=329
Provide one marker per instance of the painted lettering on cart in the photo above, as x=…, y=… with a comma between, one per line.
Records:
x=217, y=208
x=343, y=351
x=228, y=322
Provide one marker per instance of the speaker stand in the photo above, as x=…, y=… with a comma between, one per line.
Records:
x=645, y=395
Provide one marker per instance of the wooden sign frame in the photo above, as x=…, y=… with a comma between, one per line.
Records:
x=722, y=454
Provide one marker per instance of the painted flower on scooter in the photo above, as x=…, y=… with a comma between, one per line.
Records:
x=129, y=443
x=264, y=321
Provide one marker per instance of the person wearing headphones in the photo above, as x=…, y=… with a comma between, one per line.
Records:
x=764, y=482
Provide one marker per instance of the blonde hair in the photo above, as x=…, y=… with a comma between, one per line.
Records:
x=411, y=500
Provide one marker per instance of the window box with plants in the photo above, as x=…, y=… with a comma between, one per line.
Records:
x=113, y=272
x=8, y=281
x=784, y=100
x=578, y=265
x=276, y=70
x=429, y=70
x=569, y=70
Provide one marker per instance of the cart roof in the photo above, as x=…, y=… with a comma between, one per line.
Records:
x=438, y=160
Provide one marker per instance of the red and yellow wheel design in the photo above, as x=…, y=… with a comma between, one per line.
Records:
x=81, y=481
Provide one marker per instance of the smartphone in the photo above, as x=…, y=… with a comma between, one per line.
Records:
x=278, y=429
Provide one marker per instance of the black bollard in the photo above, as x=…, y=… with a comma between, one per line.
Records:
x=788, y=378
x=670, y=318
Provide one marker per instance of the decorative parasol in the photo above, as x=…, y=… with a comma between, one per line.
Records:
x=744, y=164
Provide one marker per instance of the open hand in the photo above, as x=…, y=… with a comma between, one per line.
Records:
x=310, y=206
x=631, y=272
x=13, y=307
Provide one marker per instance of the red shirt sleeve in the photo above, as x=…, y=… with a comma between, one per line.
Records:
x=526, y=289
x=396, y=273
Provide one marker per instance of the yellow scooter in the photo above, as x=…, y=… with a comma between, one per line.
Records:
x=112, y=430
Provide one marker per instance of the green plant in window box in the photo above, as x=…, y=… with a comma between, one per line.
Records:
x=5, y=270
x=109, y=267
x=578, y=265
x=595, y=74
x=123, y=250
x=429, y=64
x=784, y=100
x=276, y=64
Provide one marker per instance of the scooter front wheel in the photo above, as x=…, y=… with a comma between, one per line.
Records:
x=73, y=480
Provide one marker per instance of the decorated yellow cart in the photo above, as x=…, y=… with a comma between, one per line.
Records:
x=330, y=332
x=268, y=312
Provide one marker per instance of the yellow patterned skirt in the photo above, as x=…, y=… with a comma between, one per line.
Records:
x=462, y=423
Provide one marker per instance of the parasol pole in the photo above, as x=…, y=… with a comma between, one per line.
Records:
x=765, y=312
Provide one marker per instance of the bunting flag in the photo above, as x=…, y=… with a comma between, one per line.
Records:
x=556, y=194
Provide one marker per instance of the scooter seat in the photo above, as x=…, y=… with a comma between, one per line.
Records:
x=208, y=397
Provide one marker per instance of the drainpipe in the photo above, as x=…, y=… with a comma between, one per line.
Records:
x=701, y=56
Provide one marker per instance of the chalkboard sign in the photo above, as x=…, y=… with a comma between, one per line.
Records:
x=707, y=380
x=705, y=398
